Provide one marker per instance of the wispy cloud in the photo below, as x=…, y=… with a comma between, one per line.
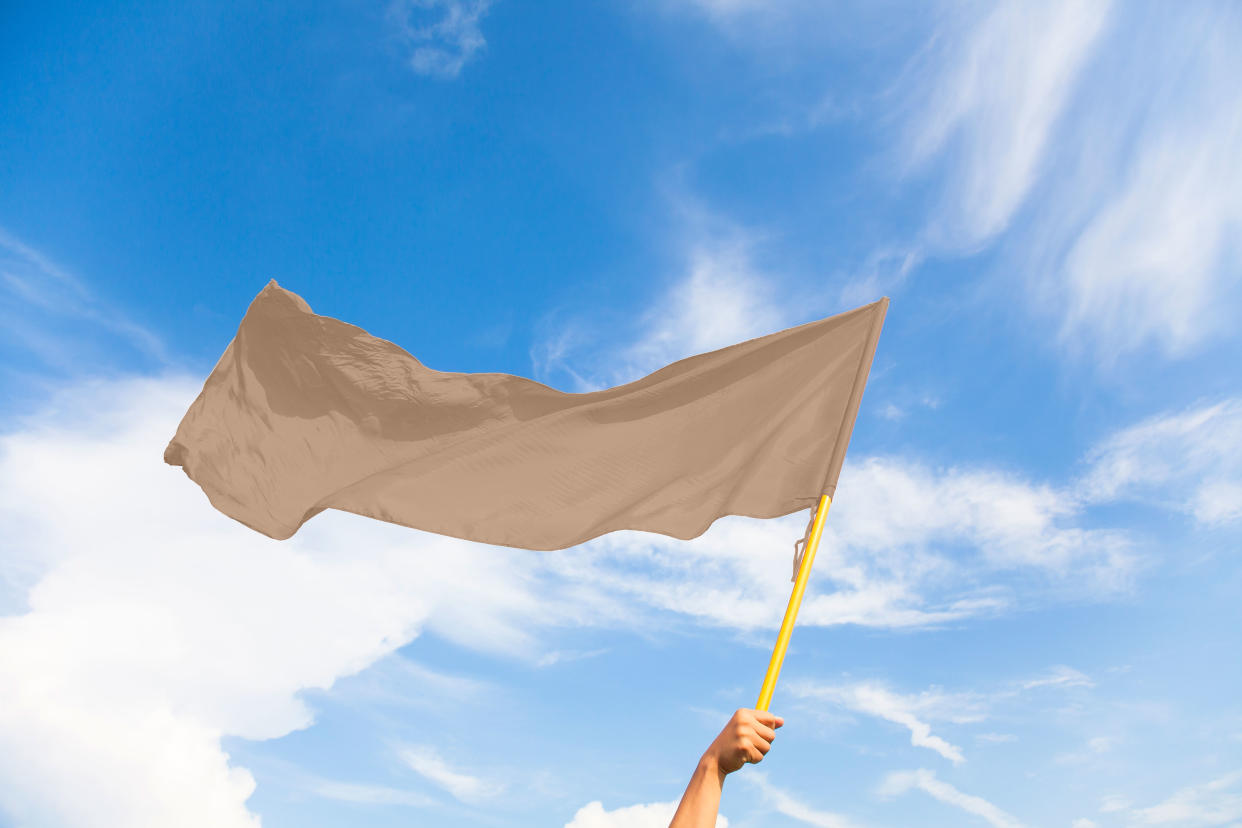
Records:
x=52, y=314
x=995, y=88
x=925, y=780
x=721, y=297
x=426, y=761
x=876, y=700
x=785, y=803
x=1218, y=802
x=1059, y=676
x=369, y=794
x=1103, y=137
x=918, y=711
x=1190, y=460
x=442, y=35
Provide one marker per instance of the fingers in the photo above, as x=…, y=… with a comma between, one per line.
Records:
x=747, y=738
x=769, y=719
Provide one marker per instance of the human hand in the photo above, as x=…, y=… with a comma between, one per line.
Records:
x=746, y=738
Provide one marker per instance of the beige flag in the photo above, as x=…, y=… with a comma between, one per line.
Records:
x=305, y=413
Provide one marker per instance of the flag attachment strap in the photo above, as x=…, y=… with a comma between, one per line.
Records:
x=800, y=546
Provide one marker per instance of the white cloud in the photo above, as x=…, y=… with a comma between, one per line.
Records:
x=1113, y=803
x=1157, y=259
x=782, y=802
x=50, y=312
x=143, y=626
x=902, y=781
x=995, y=89
x=1059, y=676
x=427, y=762
x=1111, y=130
x=1092, y=749
x=369, y=794
x=720, y=297
x=995, y=738
x=654, y=815
x=1083, y=822
x=1218, y=802
x=1191, y=460
x=722, y=300
x=443, y=35
x=876, y=700
x=907, y=545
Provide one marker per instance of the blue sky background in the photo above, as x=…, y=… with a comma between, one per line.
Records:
x=1026, y=608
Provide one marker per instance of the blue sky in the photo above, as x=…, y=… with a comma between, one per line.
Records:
x=1025, y=612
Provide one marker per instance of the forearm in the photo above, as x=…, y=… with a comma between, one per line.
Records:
x=701, y=801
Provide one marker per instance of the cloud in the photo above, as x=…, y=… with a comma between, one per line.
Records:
x=721, y=298
x=1093, y=748
x=1156, y=260
x=442, y=35
x=426, y=762
x=141, y=627
x=369, y=794
x=917, y=711
x=654, y=815
x=51, y=314
x=876, y=700
x=996, y=87
x=1190, y=460
x=1112, y=803
x=782, y=802
x=1099, y=139
x=909, y=545
x=1218, y=802
x=721, y=301
x=995, y=738
x=1059, y=676
x=901, y=782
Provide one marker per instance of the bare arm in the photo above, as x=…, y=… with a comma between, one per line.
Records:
x=746, y=738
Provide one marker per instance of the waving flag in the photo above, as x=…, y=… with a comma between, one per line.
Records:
x=305, y=413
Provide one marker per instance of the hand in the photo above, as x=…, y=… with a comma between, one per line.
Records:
x=746, y=738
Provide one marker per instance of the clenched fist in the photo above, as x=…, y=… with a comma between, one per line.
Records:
x=746, y=738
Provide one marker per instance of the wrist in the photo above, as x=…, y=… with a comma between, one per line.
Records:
x=710, y=768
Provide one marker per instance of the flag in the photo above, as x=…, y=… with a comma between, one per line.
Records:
x=305, y=412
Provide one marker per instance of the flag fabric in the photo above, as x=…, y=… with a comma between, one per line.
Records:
x=305, y=412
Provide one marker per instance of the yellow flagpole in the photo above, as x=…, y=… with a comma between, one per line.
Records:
x=795, y=601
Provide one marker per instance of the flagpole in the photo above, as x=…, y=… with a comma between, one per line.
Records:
x=795, y=601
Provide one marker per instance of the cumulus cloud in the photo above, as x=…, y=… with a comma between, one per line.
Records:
x=442, y=35
x=142, y=627
x=924, y=780
x=654, y=815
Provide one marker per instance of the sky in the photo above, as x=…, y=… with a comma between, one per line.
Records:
x=1025, y=609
